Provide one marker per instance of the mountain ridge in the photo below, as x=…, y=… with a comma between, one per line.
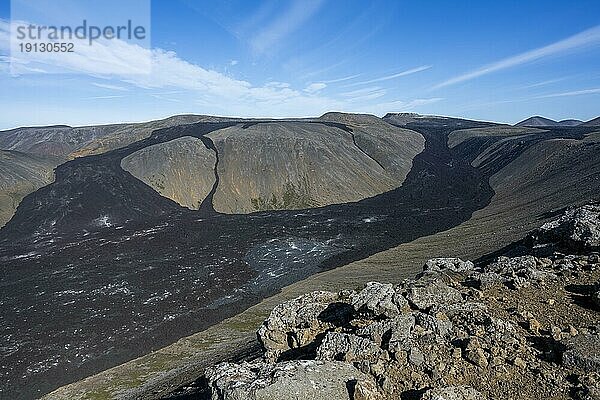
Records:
x=538, y=121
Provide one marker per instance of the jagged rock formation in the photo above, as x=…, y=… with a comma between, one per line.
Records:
x=21, y=174
x=578, y=228
x=524, y=327
x=288, y=380
x=182, y=169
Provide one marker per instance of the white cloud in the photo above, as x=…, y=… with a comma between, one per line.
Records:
x=280, y=85
x=294, y=17
x=103, y=97
x=233, y=62
x=168, y=72
x=579, y=41
x=320, y=71
x=571, y=93
x=315, y=87
x=544, y=83
x=393, y=76
x=111, y=87
x=345, y=78
x=367, y=93
x=102, y=58
x=199, y=88
x=4, y=35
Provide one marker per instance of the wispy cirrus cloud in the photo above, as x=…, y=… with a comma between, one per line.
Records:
x=367, y=93
x=343, y=79
x=544, y=83
x=570, y=93
x=392, y=76
x=587, y=38
x=103, y=97
x=169, y=72
x=108, y=86
x=291, y=20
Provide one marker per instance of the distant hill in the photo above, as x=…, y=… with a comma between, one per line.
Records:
x=291, y=164
x=570, y=122
x=71, y=142
x=592, y=122
x=538, y=121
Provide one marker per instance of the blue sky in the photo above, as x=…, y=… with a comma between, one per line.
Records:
x=490, y=60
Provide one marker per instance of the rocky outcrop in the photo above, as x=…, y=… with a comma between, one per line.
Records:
x=578, y=230
x=294, y=380
x=522, y=327
x=302, y=322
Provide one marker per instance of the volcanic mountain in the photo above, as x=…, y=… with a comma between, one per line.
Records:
x=280, y=165
x=148, y=233
x=538, y=121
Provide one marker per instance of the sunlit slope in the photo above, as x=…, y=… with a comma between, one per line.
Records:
x=281, y=165
x=21, y=174
x=182, y=169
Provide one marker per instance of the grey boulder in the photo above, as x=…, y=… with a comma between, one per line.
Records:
x=292, y=380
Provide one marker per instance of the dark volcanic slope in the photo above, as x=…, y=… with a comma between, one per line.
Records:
x=592, y=122
x=98, y=268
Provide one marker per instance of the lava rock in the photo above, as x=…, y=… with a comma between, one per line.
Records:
x=596, y=298
x=487, y=280
x=378, y=299
x=297, y=323
x=578, y=229
x=293, y=380
x=448, y=264
x=583, y=352
x=433, y=293
x=453, y=393
x=344, y=347
x=401, y=329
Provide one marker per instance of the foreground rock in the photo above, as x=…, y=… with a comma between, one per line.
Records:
x=578, y=230
x=519, y=327
x=297, y=380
